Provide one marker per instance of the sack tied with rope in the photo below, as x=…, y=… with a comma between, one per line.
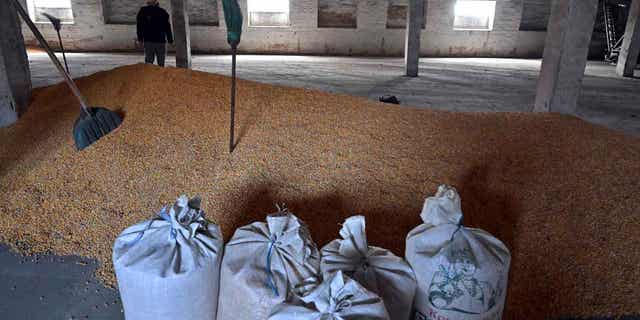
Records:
x=336, y=298
x=262, y=264
x=462, y=272
x=168, y=267
x=377, y=269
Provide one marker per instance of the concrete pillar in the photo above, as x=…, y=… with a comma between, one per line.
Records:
x=415, y=18
x=565, y=55
x=630, y=50
x=15, y=77
x=181, y=33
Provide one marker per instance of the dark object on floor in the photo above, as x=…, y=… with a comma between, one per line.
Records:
x=93, y=123
x=389, y=99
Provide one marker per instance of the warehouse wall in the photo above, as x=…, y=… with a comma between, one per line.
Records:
x=535, y=15
x=325, y=27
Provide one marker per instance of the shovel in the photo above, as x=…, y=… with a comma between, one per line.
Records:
x=94, y=122
x=233, y=19
x=57, y=24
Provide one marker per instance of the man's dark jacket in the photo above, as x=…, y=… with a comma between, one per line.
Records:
x=153, y=25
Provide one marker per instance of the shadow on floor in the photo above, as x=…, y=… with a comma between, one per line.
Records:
x=53, y=287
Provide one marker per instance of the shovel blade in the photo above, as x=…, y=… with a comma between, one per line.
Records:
x=88, y=130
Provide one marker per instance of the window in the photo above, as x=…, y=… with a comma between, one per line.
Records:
x=203, y=13
x=268, y=13
x=60, y=9
x=397, y=14
x=474, y=15
x=120, y=11
x=338, y=14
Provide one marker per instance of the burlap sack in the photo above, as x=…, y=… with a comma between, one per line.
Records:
x=377, y=269
x=262, y=264
x=337, y=298
x=168, y=267
x=462, y=272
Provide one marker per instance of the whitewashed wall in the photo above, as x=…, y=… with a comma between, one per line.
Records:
x=371, y=37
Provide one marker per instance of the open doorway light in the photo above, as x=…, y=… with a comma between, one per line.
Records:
x=60, y=9
x=268, y=13
x=474, y=15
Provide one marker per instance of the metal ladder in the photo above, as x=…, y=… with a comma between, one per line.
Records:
x=613, y=42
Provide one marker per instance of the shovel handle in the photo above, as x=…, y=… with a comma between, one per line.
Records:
x=64, y=56
x=54, y=59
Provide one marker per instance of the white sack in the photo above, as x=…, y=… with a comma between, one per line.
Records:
x=262, y=263
x=377, y=269
x=337, y=298
x=168, y=267
x=462, y=272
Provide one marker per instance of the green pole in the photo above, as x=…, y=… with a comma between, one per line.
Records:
x=233, y=20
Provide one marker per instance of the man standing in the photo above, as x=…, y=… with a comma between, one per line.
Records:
x=154, y=31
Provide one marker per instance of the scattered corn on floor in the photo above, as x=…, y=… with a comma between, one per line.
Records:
x=563, y=195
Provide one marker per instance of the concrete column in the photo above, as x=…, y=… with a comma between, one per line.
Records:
x=630, y=50
x=15, y=77
x=565, y=55
x=181, y=32
x=415, y=18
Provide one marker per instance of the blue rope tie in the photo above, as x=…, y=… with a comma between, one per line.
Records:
x=270, y=281
x=458, y=229
x=165, y=216
x=140, y=234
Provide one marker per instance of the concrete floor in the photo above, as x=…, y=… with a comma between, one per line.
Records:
x=53, y=287
x=471, y=84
